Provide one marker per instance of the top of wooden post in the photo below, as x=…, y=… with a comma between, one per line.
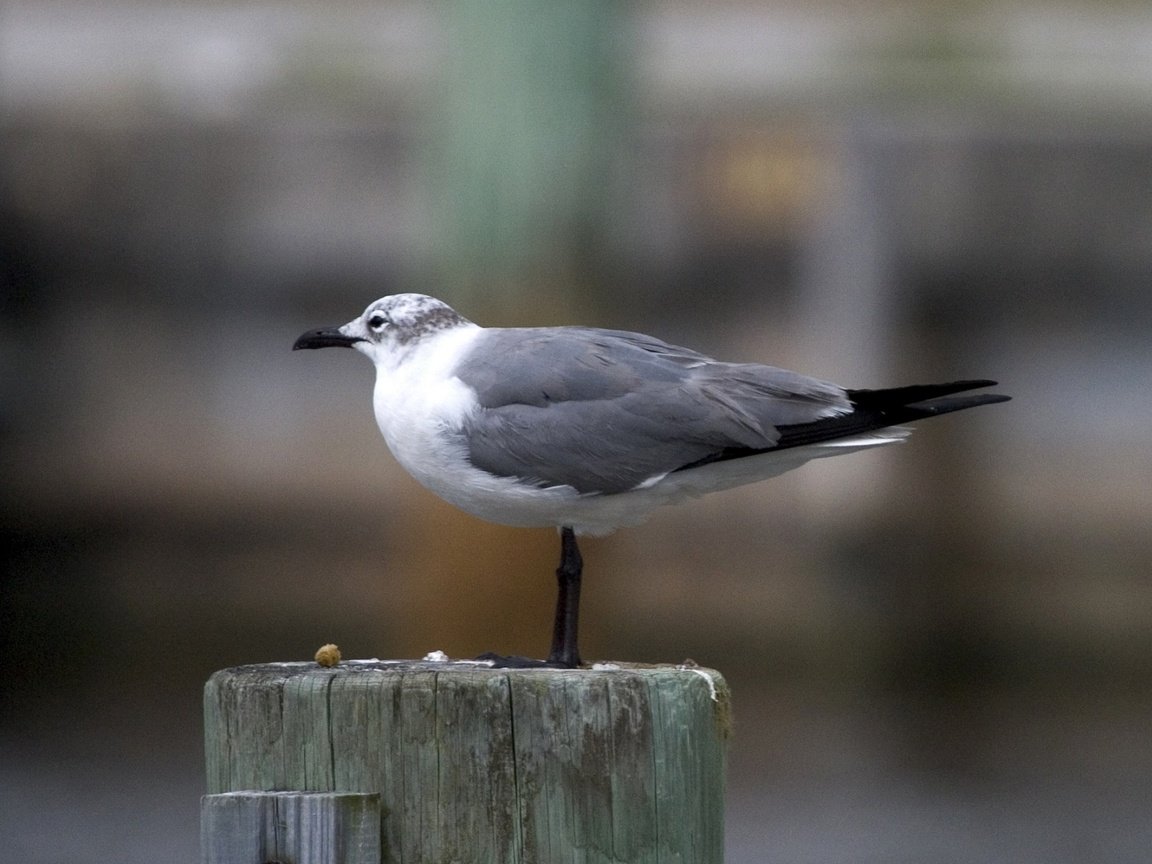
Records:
x=347, y=671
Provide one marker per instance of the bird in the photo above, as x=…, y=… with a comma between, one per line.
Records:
x=589, y=430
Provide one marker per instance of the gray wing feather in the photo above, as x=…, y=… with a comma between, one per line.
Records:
x=605, y=410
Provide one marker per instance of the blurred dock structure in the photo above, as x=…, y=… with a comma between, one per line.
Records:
x=873, y=193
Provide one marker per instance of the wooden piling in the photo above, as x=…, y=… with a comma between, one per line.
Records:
x=296, y=827
x=622, y=764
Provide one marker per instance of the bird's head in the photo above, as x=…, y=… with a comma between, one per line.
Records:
x=387, y=326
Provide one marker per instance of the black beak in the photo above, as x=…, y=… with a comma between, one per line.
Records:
x=325, y=337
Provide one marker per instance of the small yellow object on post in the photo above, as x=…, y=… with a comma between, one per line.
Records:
x=328, y=655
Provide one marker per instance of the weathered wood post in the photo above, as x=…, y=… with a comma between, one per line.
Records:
x=610, y=764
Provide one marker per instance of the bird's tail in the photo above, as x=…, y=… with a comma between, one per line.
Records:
x=879, y=409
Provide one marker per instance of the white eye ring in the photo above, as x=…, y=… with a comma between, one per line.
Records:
x=378, y=321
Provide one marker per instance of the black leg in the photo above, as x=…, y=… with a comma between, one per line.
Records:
x=564, y=651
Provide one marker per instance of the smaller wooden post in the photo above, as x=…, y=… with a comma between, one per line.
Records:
x=297, y=827
x=621, y=764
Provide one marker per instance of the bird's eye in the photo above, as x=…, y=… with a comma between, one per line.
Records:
x=377, y=321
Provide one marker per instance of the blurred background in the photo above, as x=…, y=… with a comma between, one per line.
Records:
x=939, y=652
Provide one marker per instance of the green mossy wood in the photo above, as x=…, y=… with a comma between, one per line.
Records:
x=493, y=765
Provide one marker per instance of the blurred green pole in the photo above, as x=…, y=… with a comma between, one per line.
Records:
x=528, y=147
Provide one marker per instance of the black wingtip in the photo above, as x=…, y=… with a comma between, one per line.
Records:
x=879, y=409
x=948, y=404
x=914, y=394
x=875, y=409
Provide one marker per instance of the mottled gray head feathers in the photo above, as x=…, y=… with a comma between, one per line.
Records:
x=405, y=318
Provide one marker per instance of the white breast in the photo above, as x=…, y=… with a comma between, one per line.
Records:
x=419, y=402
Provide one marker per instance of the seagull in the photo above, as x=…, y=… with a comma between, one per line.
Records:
x=589, y=430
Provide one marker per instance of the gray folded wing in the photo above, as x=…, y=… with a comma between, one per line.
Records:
x=604, y=411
